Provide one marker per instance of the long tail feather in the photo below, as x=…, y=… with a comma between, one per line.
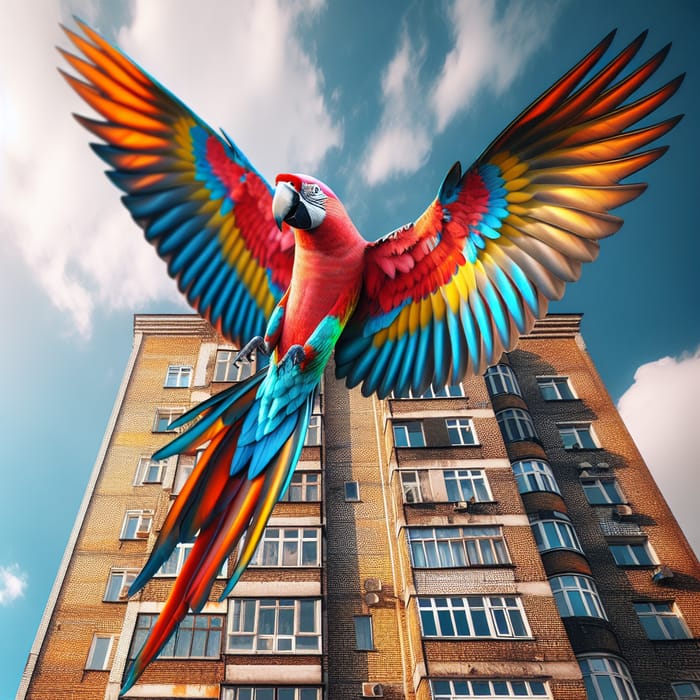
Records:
x=222, y=503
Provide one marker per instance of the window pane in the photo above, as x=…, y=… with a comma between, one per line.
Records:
x=363, y=632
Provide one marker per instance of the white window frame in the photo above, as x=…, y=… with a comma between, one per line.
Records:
x=144, y=523
x=572, y=592
x=617, y=677
x=666, y=617
x=169, y=413
x=313, y=431
x=273, y=544
x=594, y=485
x=452, y=547
x=499, y=613
x=686, y=690
x=630, y=544
x=250, y=692
x=462, y=429
x=554, y=383
x=556, y=532
x=178, y=377
x=535, y=475
x=172, y=566
x=302, y=483
x=349, y=497
x=462, y=689
x=410, y=484
x=402, y=427
x=143, y=470
x=124, y=579
x=469, y=483
x=90, y=662
x=187, y=623
x=501, y=379
x=577, y=430
x=516, y=425
x=274, y=642
x=224, y=369
x=363, y=628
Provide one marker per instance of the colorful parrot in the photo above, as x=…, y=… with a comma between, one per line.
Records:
x=427, y=304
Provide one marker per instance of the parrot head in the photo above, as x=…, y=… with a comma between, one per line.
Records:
x=300, y=201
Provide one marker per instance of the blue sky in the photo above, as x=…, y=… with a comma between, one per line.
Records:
x=377, y=99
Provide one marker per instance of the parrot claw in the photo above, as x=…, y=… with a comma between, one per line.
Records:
x=294, y=356
x=246, y=352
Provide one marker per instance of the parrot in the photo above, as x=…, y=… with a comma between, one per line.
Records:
x=281, y=271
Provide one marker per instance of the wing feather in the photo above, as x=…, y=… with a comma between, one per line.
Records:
x=503, y=239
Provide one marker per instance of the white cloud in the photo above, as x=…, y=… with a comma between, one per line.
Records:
x=12, y=583
x=401, y=144
x=488, y=51
x=240, y=65
x=660, y=411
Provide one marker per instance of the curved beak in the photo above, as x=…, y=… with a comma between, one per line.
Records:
x=284, y=203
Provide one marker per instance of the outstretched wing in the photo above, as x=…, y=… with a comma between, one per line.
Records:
x=450, y=293
x=196, y=196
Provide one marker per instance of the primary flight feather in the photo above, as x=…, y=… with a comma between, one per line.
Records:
x=284, y=270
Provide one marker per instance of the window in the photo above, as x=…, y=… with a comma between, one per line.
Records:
x=555, y=532
x=98, y=656
x=226, y=371
x=577, y=596
x=607, y=678
x=275, y=626
x=137, y=524
x=534, y=475
x=304, y=486
x=460, y=431
x=352, y=491
x=487, y=689
x=661, y=621
x=363, y=633
x=409, y=434
x=197, y=636
x=516, y=424
x=555, y=388
x=474, y=616
x=577, y=436
x=602, y=491
x=172, y=566
x=635, y=553
x=178, y=376
x=686, y=689
x=410, y=485
x=444, y=547
x=164, y=417
x=466, y=484
x=442, y=392
x=118, y=585
x=286, y=692
x=313, y=432
x=149, y=471
x=288, y=546
x=500, y=379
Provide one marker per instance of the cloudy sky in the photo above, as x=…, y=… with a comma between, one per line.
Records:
x=378, y=100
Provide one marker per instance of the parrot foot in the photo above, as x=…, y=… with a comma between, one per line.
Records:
x=246, y=352
x=294, y=356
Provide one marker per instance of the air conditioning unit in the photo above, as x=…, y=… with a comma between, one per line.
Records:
x=622, y=511
x=372, y=690
x=584, y=465
x=141, y=534
x=371, y=599
x=604, y=466
x=460, y=506
x=373, y=585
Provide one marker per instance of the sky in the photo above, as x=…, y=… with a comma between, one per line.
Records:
x=376, y=99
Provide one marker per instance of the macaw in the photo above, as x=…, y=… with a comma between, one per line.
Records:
x=426, y=304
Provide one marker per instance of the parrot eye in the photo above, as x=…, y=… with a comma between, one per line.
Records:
x=312, y=192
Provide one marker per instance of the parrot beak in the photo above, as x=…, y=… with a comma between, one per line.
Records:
x=285, y=204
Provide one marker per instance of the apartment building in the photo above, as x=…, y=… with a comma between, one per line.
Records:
x=500, y=538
